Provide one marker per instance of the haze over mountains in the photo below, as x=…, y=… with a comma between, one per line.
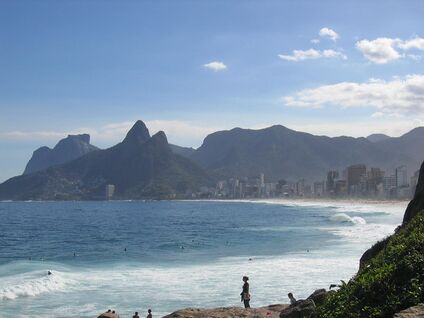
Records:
x=142, y=166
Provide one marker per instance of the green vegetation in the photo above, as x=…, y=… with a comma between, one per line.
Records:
x=390, y=282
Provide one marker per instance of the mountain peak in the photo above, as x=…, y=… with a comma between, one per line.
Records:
x=377, y=137
x=138, y=133
x=81, y=137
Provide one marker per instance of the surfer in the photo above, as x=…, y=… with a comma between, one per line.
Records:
x=49, y=272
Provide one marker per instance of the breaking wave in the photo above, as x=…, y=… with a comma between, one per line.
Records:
x=344, y=218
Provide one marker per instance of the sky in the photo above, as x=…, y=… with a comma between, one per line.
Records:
x=194, y=67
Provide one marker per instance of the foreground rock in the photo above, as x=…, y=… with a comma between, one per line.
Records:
x=302, y=309
x=272, y=311
x=413, y=312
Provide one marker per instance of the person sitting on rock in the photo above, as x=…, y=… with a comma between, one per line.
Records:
x=245, y=296
x=149, y=314
x=136, y=315
x=292, y=299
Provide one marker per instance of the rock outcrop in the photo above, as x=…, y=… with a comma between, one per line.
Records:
x=416, y=205
x=302, y=309
x=67, y=149
x=412, y=312
x=319, y=296
x=272, y=311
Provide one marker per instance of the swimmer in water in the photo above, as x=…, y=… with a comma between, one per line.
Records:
x=49, y=273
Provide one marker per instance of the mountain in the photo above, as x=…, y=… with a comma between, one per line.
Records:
x=182, y=151
x=280, y=152
x=139, y=167
x=67, y=149
x=377, y=137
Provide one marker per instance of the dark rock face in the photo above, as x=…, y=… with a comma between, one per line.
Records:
x=302, y=309
x=319, y=296
x=415, y=206
x=139, y=167
x=417, y=203
x=67, y=149
x=280, y=152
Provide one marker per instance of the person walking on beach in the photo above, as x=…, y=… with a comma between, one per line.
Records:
x=245, y=295
x=149, y=314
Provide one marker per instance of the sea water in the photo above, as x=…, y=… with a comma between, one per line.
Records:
x=168, y=255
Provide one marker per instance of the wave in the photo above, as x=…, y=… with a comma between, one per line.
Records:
x=344, y=218
x=30, y=285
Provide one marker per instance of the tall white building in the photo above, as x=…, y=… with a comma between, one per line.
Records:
x=109, y=191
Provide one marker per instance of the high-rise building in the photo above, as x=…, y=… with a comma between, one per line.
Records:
x=401, y=177
x=109, y=191
x=356, y=175
x=374, y=178
x=331, y=180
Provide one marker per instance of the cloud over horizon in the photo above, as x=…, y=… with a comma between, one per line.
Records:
x=400, y=95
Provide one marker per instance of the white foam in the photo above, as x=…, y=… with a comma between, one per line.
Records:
x=344, y=218
x=31, y=284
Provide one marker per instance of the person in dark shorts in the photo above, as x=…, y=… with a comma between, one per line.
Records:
x=245, y=295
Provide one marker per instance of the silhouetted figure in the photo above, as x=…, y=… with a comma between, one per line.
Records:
x=292, y=299
x=136, y=315
x=49, y=273
x=245, y=295
x=149, y=314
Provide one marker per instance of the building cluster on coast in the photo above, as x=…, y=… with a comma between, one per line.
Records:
x=356, y=181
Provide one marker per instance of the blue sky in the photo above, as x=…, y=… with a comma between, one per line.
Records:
x=193, y=67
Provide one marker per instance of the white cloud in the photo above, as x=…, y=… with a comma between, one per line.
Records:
x=357, y=127
x=215, y=66
x=315, y=41
x=380, y=51
x=400, y=95
x=328, y=33
x=384, y=50
x=416, y=43
x=300, y=55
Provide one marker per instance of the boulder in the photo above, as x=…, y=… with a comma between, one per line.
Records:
x=271, y=311
x=301, y=309
x=319, y=296
x=108, y=315
x=412, y=312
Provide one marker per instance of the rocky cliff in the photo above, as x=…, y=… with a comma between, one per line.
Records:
x=67, y=149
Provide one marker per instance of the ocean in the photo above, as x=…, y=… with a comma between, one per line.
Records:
x=168, y=255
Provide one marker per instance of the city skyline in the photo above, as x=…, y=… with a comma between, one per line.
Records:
x=189, y=70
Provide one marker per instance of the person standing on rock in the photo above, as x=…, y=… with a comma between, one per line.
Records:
x=245, y=295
